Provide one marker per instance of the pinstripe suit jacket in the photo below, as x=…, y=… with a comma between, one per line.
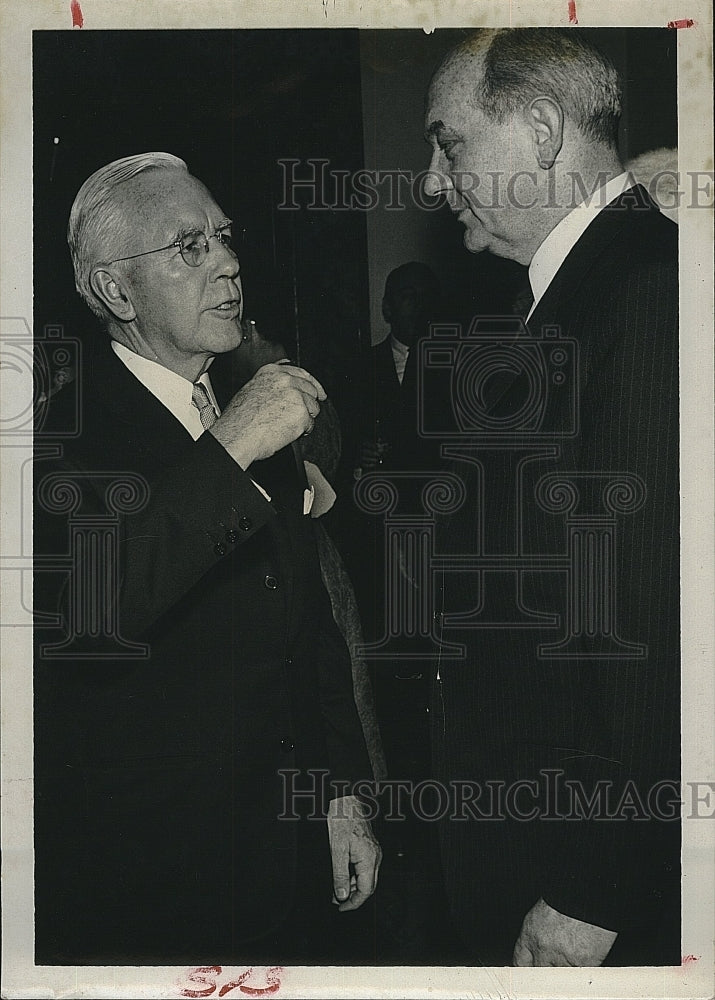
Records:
x=511, y=712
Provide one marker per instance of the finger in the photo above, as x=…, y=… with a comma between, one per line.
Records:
x=340, y=856
x=522, y=955
x=366, y=880
x=301, y=373
x=366, y=869
x=303, y=385
x=356, y=900
x=311, y=404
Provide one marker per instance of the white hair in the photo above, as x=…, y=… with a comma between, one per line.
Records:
x=98, y=231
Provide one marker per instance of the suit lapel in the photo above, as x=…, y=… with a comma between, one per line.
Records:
x=594, y=241
x=134, y=406
x=574, y=272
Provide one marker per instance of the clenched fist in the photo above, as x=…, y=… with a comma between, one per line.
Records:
x=279, y=404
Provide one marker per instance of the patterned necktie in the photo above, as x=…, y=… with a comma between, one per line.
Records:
x=200, y=399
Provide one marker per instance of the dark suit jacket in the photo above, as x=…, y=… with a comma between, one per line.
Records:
x=399, y=409
x=157, y=784
x=508, y=713
x=387, y=401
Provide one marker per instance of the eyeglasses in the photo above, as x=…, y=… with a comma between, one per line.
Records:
x=193, y=247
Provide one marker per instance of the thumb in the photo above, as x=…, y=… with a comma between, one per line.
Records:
x=522, y=954
x=341, y=873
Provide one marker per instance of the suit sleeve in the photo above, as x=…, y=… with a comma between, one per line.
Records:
x=197, y=510
x=347, y=751
x=614, y=872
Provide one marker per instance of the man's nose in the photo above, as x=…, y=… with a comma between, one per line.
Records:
x=222, y=260
x=437, y=180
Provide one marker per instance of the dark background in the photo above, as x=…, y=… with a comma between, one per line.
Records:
x=232, y=104
x=229, y=103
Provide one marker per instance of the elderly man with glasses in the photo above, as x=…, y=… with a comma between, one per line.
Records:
x=171, y=738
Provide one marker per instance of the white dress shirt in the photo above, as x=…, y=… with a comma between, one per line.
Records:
x=563, y=237
x=400, y=354
x=171, y=389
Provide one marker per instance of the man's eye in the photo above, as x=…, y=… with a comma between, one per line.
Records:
x=192, y=242
x=225, y=237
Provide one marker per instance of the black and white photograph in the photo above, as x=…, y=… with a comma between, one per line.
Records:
x=357, y=501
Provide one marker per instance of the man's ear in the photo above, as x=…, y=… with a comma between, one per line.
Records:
x=111, y=290
x=546, y=119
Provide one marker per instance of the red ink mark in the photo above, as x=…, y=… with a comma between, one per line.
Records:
x=689, y=959
x=198, y=978
x=273, y=981
x=204, y=976
x=684, y=22
x=573, y=18
x=77, y=19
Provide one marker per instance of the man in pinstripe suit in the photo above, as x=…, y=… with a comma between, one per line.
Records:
x=523, y=128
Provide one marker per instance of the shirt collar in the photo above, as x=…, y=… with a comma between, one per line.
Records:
x=563, y=237
x=170, y=388
x=398, y=348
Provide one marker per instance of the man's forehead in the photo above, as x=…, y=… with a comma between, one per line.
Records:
x=452, y=91
x=169, y=197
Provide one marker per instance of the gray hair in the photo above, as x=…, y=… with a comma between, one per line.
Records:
x=97, y=230
x=521, y=64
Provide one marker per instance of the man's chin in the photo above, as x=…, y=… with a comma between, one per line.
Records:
x=476, y=239
x=226, y=335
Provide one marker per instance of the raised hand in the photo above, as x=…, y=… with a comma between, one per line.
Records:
x=277, y=406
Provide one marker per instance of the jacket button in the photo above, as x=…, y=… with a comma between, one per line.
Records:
x=287, y=746
x=231, y=535
x=220, y=549
x=270, y=582
x=245, y=524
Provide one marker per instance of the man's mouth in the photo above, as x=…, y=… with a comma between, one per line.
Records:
x=229, y=306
